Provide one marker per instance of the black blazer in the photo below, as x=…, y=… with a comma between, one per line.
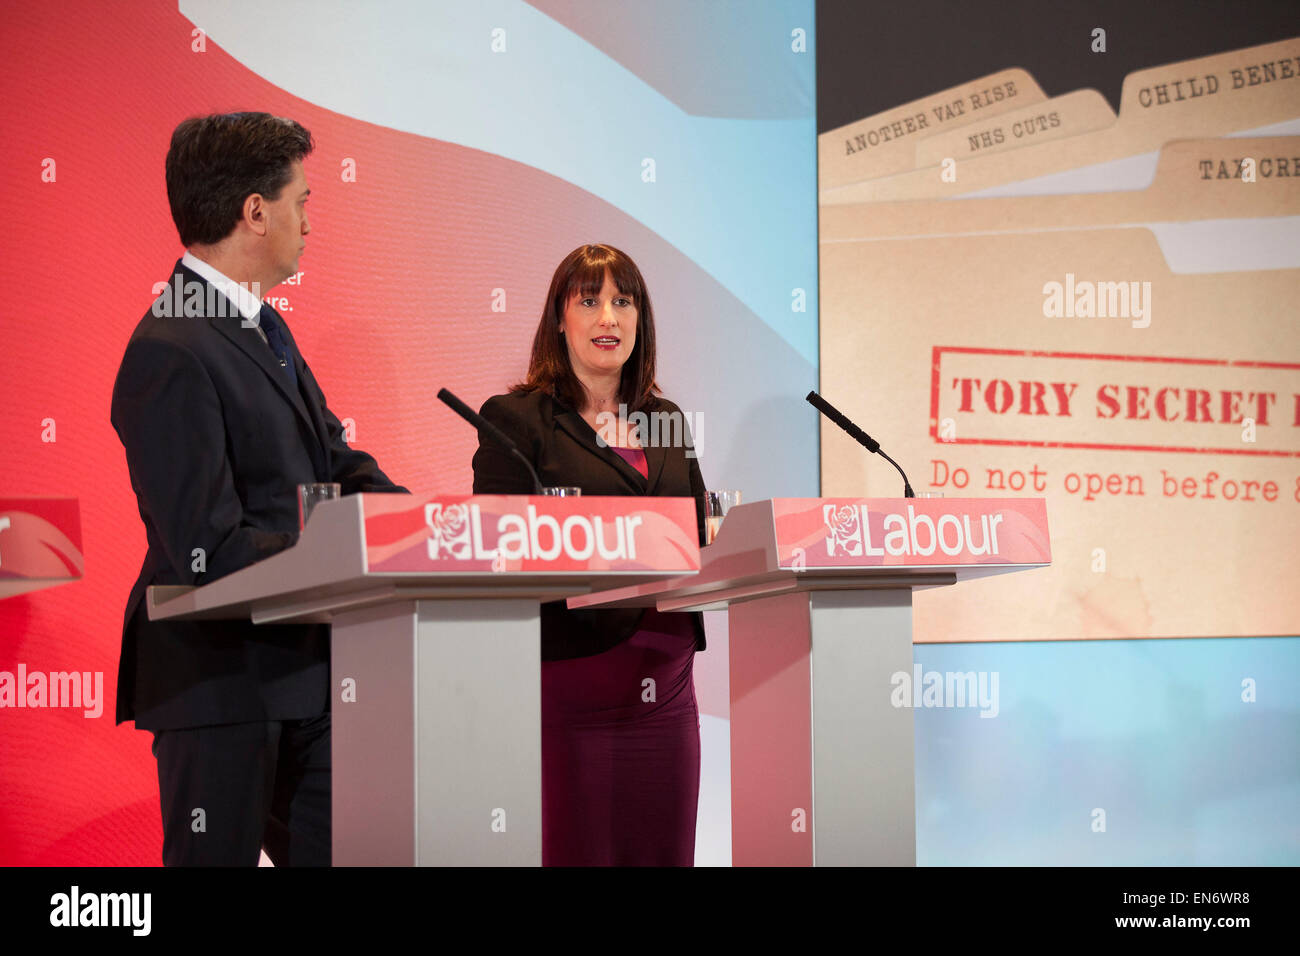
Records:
x=217, y=440
x=564, y=450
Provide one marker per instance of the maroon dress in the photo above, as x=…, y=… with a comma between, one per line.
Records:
x=621, y=747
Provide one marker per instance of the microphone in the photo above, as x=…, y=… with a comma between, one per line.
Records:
x=858, y=435
x=487, y=428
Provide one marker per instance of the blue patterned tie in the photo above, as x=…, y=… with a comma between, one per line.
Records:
x=270, y=324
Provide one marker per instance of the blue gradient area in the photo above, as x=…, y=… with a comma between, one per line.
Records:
x=1153, y=732
x=738, y=196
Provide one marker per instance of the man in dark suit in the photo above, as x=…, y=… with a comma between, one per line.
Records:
x=221, y=419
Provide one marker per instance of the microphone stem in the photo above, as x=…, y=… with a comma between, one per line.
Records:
x=907, y=485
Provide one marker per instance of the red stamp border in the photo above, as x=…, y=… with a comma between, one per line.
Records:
x=939, y=350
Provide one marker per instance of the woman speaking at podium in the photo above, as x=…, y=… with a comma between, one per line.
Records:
x=620, y=755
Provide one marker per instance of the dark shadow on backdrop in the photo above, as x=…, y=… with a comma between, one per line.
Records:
x=873, y=55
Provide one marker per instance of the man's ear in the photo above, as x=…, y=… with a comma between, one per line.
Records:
x=254, y=213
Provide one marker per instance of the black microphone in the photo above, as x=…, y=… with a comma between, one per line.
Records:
x=858, y=435
x=487, y=428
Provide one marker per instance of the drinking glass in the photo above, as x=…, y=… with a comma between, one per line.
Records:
x=310, y=495
x=716, y=506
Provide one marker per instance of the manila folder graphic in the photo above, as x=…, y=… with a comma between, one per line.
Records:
x=1020, y=364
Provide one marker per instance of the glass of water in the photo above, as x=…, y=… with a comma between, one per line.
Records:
x=716, y=506
x=310, y=495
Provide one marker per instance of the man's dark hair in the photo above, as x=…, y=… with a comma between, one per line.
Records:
x=216, y=162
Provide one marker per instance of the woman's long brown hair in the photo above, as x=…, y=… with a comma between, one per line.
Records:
x=583, y=273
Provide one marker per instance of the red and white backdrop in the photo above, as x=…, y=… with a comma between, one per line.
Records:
x=462, y=151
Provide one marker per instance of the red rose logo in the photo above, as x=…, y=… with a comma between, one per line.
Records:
x=844, y=528
x=448, y=531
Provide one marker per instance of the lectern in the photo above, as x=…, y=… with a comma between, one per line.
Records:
x=435, y=651
x=819, y=599
x=40, y=544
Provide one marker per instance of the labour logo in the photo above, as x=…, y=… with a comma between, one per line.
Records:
x=844, y=529
x=449, y=535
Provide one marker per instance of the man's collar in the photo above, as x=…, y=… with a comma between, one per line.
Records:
x=248, y=304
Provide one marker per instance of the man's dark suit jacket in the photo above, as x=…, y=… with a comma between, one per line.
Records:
x=217, y=440
x=564, y=450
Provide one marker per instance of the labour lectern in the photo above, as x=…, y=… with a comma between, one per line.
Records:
x=819, y=599
x=40, y=544
x=435, y=651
